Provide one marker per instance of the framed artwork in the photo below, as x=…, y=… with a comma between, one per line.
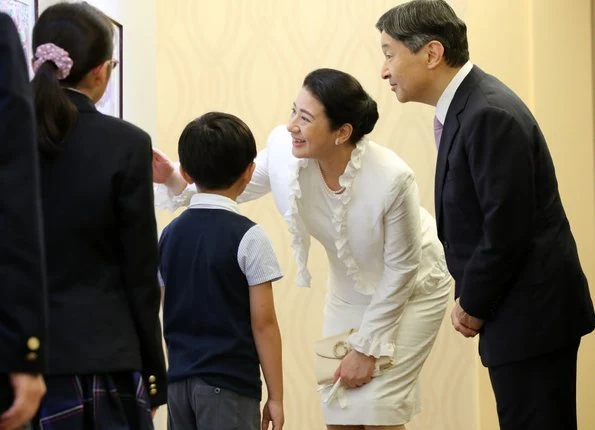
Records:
x=112, y=103
x=24, y=13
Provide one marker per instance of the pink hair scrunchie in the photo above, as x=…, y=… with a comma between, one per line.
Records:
x=55, y=54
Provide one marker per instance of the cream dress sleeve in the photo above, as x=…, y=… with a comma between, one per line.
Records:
x=258, y=186
x=402, y=257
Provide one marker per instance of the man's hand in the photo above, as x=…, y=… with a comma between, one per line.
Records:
x=28, y=389
x=464, y=323
x=273, y=413
x=356, y=369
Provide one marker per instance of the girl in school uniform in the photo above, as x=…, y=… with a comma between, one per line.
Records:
x=106, y=367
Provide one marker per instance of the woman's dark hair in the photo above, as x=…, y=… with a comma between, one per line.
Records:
x=216, y=149
x=418, y=22
x=344, y=101
x=87, y=35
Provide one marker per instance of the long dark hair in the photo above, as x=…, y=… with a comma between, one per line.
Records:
x=344, y=101
x=87, y=35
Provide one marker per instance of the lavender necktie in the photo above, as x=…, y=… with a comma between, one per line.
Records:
x=437, y=131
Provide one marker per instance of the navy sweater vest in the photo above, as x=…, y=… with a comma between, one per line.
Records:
x=206, y=310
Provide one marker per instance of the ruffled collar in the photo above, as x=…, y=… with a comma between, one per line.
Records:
x=300, y=242
x=344, y=252
x=355, y=163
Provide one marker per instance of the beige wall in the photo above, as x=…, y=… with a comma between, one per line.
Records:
x=250, y=60
x=563, y=95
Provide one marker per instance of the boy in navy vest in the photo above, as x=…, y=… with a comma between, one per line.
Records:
x=217, y=268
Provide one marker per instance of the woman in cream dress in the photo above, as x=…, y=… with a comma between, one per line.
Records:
x=387, y=274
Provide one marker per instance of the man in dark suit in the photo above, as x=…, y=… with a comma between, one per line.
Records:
x=22, y=279
x=508, y=244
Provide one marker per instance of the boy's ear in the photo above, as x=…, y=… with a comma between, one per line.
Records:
x=185, y=175
x=249, y=172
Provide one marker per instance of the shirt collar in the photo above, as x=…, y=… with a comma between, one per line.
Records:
x=449, y=93
x=213, y=201
x=74, y=90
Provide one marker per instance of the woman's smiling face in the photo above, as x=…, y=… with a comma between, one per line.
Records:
x=310, y=129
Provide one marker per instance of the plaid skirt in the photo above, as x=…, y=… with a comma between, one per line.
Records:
x=109, y=401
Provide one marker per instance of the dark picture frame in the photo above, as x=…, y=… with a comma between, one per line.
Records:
x=112, y=102
x=24, y=14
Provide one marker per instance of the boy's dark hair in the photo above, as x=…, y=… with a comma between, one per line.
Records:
x=215, y=149
x=417, y=22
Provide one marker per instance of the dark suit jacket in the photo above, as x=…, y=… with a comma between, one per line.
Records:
x=507, y=240
x=102, y=257
x=22, y=291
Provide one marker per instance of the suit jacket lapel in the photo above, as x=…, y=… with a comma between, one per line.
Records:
x=451, y=127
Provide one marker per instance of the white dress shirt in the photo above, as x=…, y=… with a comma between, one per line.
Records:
x=446, y=98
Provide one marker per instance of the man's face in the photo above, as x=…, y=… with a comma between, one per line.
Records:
x=405, y=71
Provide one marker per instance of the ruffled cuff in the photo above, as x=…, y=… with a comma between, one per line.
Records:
x=303, y=278
x=300, y=245
x=165, y=199
x=372, y=347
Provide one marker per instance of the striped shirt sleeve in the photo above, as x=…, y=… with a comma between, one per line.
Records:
x=257, y=259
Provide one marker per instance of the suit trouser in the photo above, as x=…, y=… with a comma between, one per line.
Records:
x=192, y=404
x=538, y=393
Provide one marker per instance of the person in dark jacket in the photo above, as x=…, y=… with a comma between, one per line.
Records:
x=106, y=356
x=23, y=340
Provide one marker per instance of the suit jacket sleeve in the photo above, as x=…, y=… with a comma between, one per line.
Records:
x=138, y=236
x=22, y=277
x=500, y=160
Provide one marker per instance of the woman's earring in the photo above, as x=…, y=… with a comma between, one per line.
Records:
x=337, y=142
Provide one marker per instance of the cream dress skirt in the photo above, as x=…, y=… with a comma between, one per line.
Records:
x=393, y=397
